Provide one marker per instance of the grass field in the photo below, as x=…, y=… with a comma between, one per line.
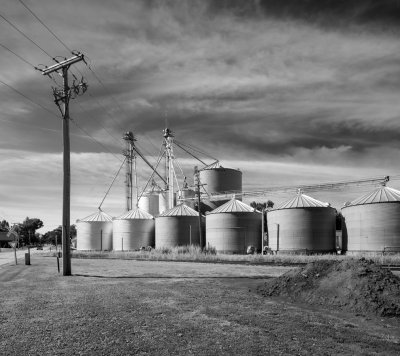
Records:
x=193, y=253
x=130, y=307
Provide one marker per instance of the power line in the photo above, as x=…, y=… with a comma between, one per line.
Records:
x=63, y=43
x=23, y=34
x=28, y=125
x=101, y=126
x=90, y=136
x=52, y=32
x=37, y=18
x=26, y=97
x=17, y=55
x=56, y=115
x=102, y=84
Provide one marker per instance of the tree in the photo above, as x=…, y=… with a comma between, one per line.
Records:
x=72, y=231
x=261, y=206
x=4, y=226
x=27, y=230
x=54, y=236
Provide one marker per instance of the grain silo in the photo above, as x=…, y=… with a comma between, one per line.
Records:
x=149, y=202
x=302, y=224
x=162, y=202
x=94, y=232
x=371, y=222
x=220, y=180
x=133, y=230
x=232, y=227
x=178, y=226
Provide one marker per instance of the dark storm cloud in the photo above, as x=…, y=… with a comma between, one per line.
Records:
x=326, y=13
x=237, y=66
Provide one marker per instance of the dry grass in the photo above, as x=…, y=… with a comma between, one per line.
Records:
x=194, y=253
x=101, y=311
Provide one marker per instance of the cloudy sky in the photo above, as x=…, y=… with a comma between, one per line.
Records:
x=291, y=92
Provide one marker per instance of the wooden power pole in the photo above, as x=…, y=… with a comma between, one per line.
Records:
x=63, y=95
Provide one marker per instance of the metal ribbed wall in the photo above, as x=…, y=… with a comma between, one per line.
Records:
x=221, y=179
x=309, y=229
x=371, y=227
x=233, y=232
x=162, y=202
x=172, y=231
x=94, y=235
x=178, y=226
x=150, y=203
x=218, y=180
x=133, y=231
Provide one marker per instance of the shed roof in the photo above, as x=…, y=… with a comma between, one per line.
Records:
x=137, y=213
x=98, y=216
x=233, y=206
x=302, y=201
x=380, y=195
x=180, y=210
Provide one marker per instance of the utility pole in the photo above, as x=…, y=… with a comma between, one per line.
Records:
x=63, y=95
x=130, y=158
x=198, y=185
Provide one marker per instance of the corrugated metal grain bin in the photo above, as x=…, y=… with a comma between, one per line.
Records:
x=372, y=222
x=302, y=224
x=178, y=226
x=232, y=227
x=162, y=202
x=133, y=230
x=94, y=232
x=221, y=179
x=149, y=202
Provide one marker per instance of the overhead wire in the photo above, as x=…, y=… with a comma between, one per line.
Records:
x=17, y=55
x=27, y=125
x=26, y=97
x=115, y=177
x=29, y=63
x=70, y=50
x=56, y=115
x=26, y=36
x=101, y=126
x=196, y=149
x=91, y=137
x=37, y=18
x=51, y=32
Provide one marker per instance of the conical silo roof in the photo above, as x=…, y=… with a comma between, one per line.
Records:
x=135, y=214
x=98, y=216
x=233, y=206
x=381, y=195
x=302, y=201
x=180, y=210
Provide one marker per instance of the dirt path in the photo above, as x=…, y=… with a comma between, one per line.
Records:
x=96, y=312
